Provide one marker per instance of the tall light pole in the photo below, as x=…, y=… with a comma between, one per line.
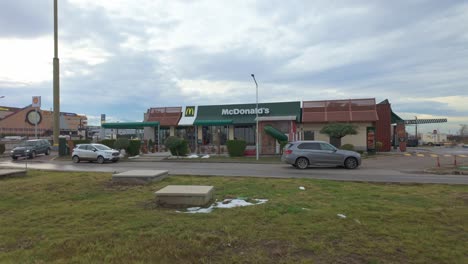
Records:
x=56, y=80
x=256, y=115
x=416, y=130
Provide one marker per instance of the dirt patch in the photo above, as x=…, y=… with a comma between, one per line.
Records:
x=277, y=248
x=463, y=197
x=352, y=258
x=21, y=244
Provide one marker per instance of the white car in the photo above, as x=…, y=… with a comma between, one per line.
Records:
x=94, y=152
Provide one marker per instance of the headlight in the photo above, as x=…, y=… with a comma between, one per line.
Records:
x=11, y=151
x=28, y=150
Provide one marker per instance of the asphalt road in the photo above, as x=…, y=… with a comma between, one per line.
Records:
x=392, y=169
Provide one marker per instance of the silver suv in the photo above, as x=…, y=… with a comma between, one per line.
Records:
x=31, y=148
x=94, y=152
x=302, y=154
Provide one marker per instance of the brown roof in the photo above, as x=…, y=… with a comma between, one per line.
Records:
x=166, y=116
x=351, y=110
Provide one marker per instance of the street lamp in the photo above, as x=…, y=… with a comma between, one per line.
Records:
x=256, y=115
x=56, y=80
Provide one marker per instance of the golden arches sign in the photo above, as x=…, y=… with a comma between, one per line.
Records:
x=190, y=111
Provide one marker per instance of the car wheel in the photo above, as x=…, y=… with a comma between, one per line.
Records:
x=302, y=163
x=76, y=159
x=47, y=152
x=33, y=155
x=100, y=159
x=351, y=163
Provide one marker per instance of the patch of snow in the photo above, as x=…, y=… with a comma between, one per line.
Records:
x=122, y=153
x=302, y=188
x=134, y=157
x=227, y=203
x=193, y=156
x=341, y=215
x=205, y=157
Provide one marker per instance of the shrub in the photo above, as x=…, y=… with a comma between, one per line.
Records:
x=2, y=148
x=183, y=148
x=236, y=147
x=133, y=148
x=121, y=143
x=82, y=141
x=282, y=144
x=348, y=147
x=151, y=145
x=108, y=142
x=378, y=145
x=177, y=146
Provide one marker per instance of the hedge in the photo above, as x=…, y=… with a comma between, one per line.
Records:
x=108, y=142
x=133, y=147
x=83, y=141
x=347, y=147
x=177, y=146
x=121, y=143
x=236, y=147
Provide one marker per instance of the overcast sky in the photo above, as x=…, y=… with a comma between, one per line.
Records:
x=121, y=57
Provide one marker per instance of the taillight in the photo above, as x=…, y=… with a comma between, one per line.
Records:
x=288, y=151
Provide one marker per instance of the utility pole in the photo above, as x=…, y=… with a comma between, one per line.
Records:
x=416, y=130
x=256, y=115
x=56, y=80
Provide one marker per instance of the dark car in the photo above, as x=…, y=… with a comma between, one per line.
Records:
x=302, y=154
x=31, y=148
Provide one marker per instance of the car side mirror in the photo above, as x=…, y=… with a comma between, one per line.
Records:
x=94, y=150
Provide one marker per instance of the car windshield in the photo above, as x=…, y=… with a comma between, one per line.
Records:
x=102, y=147
x=28, y=143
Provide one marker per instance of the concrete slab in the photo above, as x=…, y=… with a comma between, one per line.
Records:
x=11, y=173
x=139, y=176
x=185, y=195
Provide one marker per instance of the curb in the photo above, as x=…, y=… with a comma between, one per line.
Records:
x=446, y=172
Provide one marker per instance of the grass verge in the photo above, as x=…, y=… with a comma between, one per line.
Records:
x=64, y=217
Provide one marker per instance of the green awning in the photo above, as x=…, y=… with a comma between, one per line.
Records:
x=275, y=133
x=130, y=125
x=212, y=122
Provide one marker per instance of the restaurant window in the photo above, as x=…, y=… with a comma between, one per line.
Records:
x=309, y=135
x=214, y=135
x=187, y=133
x=163, y=134
x=246, y=133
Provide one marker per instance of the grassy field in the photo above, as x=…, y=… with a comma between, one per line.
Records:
x=54, y=217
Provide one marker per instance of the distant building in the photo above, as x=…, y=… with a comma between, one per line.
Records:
x=433, y=138
x=21, y=122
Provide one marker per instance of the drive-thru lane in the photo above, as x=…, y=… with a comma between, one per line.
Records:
x=382, y=169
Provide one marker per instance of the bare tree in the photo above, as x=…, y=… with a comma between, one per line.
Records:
x=463, y=130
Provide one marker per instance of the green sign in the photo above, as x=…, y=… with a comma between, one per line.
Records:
x=246, y=113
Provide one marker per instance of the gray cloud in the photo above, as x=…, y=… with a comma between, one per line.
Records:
x=299, y=50
x=25, y=18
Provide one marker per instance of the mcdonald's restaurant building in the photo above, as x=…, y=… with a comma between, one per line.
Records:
x=206, y=128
